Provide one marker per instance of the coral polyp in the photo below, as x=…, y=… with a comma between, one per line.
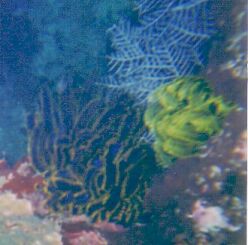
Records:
x=182, y=116
x=87, y=148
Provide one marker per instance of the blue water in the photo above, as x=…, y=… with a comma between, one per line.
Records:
x=118, y=50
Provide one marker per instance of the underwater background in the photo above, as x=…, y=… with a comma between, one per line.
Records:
x=123, y=122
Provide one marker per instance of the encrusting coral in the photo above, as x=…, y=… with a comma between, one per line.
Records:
x=182, y=116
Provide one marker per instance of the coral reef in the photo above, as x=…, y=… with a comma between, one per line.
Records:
x=92, y=163
x=24, y=215
x=210, y=219
x=241, y=148
x=22, y=182
x=182, y=116
x=18, y=223
x=89, y=177
x=88, y=237
x=28, y=230
x=19, y=207
x=167, y=43
x=77, y=233
x=230, y=26
x=236, y=48
x=200, y=200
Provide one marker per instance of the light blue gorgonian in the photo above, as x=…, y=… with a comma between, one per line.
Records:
x=167, y=44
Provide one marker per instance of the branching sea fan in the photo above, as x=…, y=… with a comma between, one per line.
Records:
x=167, y=44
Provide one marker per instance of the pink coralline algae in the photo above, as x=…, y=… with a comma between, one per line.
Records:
x=78, y=230
x=86, y=238
x=108, y=226
x=22, y=181
x=19, y=205
x=21, y=202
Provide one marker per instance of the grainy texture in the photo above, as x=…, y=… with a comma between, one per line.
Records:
x=89, y=150
x=182, y=116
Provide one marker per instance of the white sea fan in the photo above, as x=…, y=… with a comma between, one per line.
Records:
x=167, y=44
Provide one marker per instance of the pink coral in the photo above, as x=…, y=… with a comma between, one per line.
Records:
x=111, y=227
x=22, y=181
x=78, y=230
x=86, y=238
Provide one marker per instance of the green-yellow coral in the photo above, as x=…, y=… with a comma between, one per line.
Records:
x=182, y=116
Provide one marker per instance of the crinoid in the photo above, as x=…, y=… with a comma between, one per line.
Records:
x=183, y=116
x=87, y=146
